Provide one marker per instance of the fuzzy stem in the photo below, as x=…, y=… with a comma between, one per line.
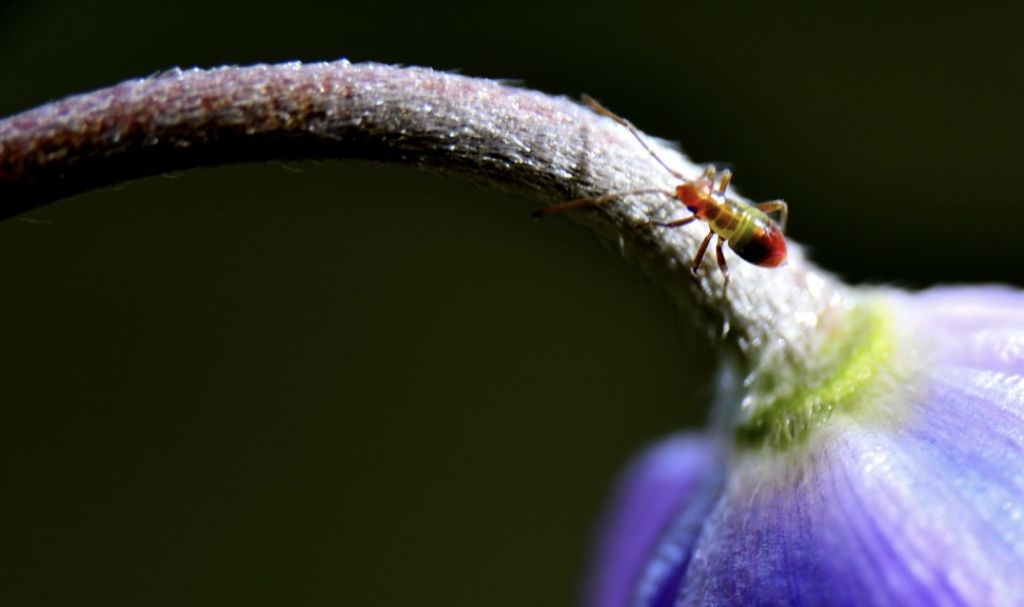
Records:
x=547, y=148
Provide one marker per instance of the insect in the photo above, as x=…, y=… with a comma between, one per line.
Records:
x=748, y=230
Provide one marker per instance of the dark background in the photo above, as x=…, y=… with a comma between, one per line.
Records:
x=364, y=385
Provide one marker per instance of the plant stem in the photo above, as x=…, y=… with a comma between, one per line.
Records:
x=547, y=148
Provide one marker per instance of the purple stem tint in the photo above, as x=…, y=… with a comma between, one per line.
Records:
x=183, y=119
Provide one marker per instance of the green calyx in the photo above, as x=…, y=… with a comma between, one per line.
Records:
x=845, y=381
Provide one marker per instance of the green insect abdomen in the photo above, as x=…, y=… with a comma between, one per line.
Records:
x=732, y=222
x=757, y=239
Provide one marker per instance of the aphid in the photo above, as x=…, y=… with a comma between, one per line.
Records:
x=749, y=230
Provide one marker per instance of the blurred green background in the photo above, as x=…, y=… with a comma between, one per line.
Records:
x=339, y=382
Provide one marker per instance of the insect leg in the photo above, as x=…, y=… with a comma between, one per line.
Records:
x=673, y=224
x=720, y=256
x=600, y=109
x=724, y=181
x=699, y=257
x=776, y=205
x=583, y=203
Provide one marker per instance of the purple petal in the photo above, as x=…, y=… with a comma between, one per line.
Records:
x=656, y=487
x=877, y=518
x=926, y=508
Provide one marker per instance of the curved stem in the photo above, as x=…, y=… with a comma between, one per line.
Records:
x=548, y=148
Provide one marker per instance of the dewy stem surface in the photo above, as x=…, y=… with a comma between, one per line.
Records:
x=549, y=149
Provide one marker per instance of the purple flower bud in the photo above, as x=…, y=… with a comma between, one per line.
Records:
x=915, y=499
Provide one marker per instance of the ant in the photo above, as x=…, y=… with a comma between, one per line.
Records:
x=749, y=230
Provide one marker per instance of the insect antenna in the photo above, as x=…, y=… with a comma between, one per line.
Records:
x=600, y=109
